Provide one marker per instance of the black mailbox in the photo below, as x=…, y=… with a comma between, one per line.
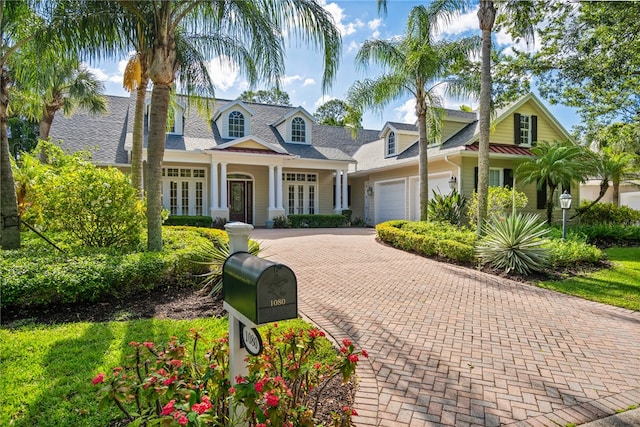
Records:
x=261, y=290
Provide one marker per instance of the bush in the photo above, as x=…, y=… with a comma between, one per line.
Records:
x=608, y=234
x=96, y=205
x=515, y=243
x=316, y=221
x=572, y=252
x=35, y=276
x=429, y=239
x=448, y=208
x=608, y=213
x=192, y=221
x=280, y=222
x=499, y=203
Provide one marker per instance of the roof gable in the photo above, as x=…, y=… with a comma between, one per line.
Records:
x=251, y=143
x=295, y=112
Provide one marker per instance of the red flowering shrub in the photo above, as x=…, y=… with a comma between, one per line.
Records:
x=167, y=386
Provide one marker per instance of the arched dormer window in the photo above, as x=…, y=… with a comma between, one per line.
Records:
x=391, y=144
x=236, y=124
x=298, y=130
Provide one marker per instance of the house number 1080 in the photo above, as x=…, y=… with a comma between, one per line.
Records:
x=277, y=302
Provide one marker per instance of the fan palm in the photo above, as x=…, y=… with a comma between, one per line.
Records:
x=418, y=66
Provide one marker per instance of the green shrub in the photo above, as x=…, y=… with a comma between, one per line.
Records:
x=219, y=223
x=347, y=214
x=608, y=213
x=515, y=243
x=572, y=252
x=316, y=221
x=95, y=205
x=499, y=203
x=447, y=208
x=608, y=234
x=34, y=275
x=280, y=222
x=193, y=221
x=429, y=239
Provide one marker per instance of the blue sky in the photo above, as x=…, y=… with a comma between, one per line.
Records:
x=357, y=20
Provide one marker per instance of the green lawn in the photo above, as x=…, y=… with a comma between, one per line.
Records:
x=46, y=371
x=619, y=285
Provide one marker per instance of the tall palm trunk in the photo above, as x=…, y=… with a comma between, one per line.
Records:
x=423, y=163
x=552, y=190
x=9, y=217
x=486, y=17
x=44, y=127
x=138, y=136
x=616, y=192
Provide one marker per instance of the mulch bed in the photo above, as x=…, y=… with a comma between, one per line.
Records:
x=169, y=303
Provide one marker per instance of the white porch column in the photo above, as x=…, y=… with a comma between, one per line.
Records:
x=337, y=203
x=279, y=187
x=224, y=203
x=272, y=185
x=345, y=191
x=213, y=187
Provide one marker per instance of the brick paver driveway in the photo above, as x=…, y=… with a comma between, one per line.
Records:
x=453, y=346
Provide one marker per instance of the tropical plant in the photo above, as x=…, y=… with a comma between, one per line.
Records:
x=214, y=255
x=554, y=165
x=502, y=201
x=336, y=112
x=447, y=207
x=419, y=66
x=515, y=243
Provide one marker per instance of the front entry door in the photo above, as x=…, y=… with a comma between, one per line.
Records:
x=241, y=201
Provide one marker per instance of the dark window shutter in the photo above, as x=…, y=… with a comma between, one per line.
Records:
x=475, y=178
x=534, y=129
x=507, y=178
x=541, y=201
x=516, y=129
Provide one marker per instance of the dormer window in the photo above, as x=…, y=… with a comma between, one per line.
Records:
x=236, y=124
x=525, y=129
x=298, y=130
x=391, y=144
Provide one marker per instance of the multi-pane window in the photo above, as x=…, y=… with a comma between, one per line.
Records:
x=298, y=130
x=183, y=191
x=495, y=177
x=236, y=124
x=525, y=129
x=391, y=144
x=301, y=192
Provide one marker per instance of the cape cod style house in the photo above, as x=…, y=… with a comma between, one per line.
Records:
x=255, y=162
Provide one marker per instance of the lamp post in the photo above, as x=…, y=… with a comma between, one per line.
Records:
x=565, y=204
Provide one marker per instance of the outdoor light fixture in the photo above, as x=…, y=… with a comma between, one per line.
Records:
x=452, y=182
x=565, y=204
x=370, y=191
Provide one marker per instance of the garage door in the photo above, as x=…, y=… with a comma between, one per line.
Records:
x=389, y=201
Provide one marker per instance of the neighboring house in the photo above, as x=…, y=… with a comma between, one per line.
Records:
x=255, y=162
x=629, y=192
x=385, y=178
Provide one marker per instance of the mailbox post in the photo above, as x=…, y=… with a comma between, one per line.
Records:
x=256, y=292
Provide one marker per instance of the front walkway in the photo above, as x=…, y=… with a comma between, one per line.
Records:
x=454, y=346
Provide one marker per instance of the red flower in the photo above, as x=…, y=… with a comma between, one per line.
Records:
x=133, y=344
x=240, y=380
x=272, y=400
x=98, y=379
x=353, y=358
x=317, y=366
x=232, y=390
x=346, y=342
x=365, y=354
x=182, y=420
x=148, y=344
x=168, y=408
x=175, y=362
x=343, y=350
x=201, y=408
x=169, y=380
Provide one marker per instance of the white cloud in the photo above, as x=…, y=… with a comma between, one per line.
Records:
x=345, y=28
x=322, y=100
x=224, y=72
x=353, y=47
x=309, y=82
x=374, y=25
x=98, y=73
x=406, y=113
x=287, y=80
x=460, y=24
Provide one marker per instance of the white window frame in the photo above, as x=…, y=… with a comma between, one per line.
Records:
x=301, y=191
x=175, y=179
x=525, y=129
x=239, y=128
x=298, y=130
x=389, y=149
x=500, y=177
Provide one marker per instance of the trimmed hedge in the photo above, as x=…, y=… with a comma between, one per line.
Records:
x=429, y=239
x=35, y=275
x=193, y=221
x=608, y=213
x=316, y=221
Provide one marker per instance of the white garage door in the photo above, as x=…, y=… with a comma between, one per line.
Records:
x=389, y=201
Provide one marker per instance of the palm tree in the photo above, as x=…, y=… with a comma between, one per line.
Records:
x=416, y=66
x=615, y=166
x=61, y=85
x=555, y=164
x=257, y=24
